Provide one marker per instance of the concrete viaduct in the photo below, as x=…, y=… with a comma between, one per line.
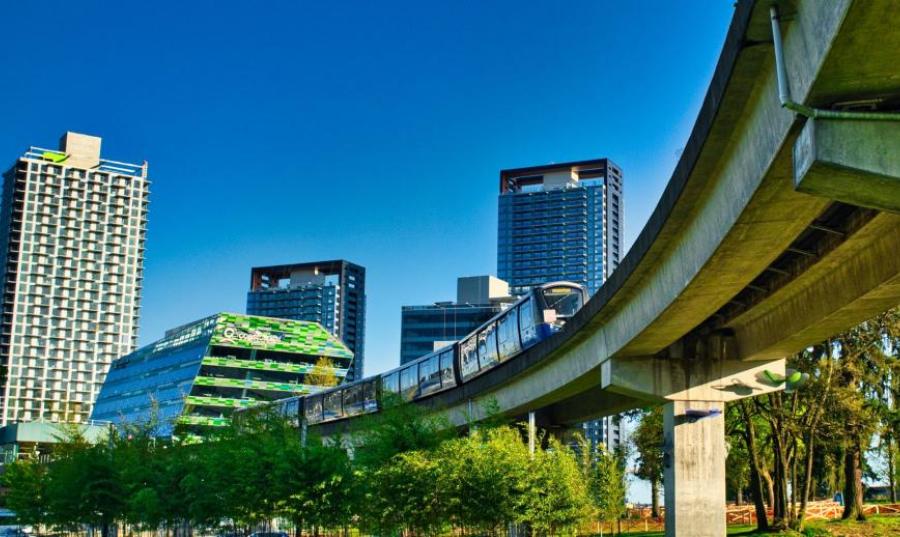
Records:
x=778, y=228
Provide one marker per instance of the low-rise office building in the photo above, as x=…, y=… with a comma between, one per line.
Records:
x=427, y=328
x=199, y=373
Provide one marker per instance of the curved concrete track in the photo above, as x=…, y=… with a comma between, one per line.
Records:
x=736, y=268
x=734, y=265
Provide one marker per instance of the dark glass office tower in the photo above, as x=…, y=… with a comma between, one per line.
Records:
x=331, y=293
x=562, y=222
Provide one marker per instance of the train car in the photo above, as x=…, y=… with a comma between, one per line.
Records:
x=532, y=318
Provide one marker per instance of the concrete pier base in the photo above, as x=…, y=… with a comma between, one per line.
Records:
x=694, y=475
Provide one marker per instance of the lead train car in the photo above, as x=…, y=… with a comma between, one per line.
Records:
x=532, y=318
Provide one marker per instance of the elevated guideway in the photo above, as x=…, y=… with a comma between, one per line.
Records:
x=775, y=231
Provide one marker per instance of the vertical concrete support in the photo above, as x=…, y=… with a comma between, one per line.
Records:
x=694, y=475
x=532, y=433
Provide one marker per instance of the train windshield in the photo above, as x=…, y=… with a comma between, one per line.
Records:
x=564, y=300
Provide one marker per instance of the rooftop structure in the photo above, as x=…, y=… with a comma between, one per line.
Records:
x=199, y=373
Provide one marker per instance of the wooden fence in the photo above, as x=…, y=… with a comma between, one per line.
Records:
x=638, y=518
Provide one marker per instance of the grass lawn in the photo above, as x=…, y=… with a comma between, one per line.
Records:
x=875, y=526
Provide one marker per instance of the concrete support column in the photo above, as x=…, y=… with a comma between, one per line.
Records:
x=694, y=475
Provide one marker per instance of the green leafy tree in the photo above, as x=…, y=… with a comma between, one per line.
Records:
x=485, y=477
x=84, y=486
x=556, y=500
x=26, y=495
x=405, y=496
x=399, y=428
x=608, y=486
x=648, y=442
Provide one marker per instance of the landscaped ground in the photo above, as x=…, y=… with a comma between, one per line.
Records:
x=875, y=526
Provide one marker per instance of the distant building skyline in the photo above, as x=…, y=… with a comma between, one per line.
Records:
x=72, y=237
x=331, y=293
x=425, y=327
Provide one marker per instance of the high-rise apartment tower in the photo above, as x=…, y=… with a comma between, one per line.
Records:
x=72, y=232
x=560, y=222
x=331, y=293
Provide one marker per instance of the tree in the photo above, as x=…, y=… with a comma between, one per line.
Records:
x=648, y=441
x=608, y=486
x=557, y=500
x=25, y=481
x=83, y=485
x=322, y=374
x=328, y=487
x=399, y=428
x=405, y=496
x=484, y=477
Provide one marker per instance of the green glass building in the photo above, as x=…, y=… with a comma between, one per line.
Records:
x=199, y=373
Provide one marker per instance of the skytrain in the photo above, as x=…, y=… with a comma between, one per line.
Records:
x=531, y=319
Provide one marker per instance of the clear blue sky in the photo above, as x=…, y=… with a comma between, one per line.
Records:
x=373, y=131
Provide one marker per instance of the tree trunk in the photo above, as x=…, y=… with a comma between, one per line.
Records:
x=654, y=498
x=770, y=487
x=739, y=497
x=807, y=480
x=756, y=488
x=795, y=484
x=779, y=477
x=853, y=492
x=890, y=461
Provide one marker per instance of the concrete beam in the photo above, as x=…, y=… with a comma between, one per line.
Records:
x=857, y=280
x=853, y=161
x=660, y=379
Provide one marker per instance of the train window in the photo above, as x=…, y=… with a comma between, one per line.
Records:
x=390, y=383
x=508, y=334
x=528, y=322
x=353, y=400
x=468, y=359
x=313, y=410
x=447, y=377
x=409, y=382
x=487, y=346
x=331, y=409
x=566, y=301
x=429, y=376
x=290, y=409
x=370, y=397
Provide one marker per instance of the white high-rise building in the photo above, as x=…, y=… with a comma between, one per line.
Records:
x=72, y=234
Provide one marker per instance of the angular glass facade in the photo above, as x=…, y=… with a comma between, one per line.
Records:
x=199, y=373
